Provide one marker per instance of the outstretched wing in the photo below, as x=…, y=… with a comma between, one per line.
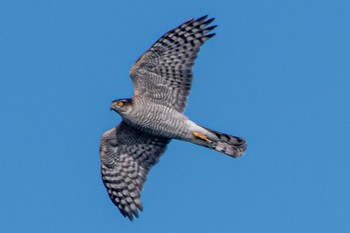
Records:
x=127, y=155
x=164, y=72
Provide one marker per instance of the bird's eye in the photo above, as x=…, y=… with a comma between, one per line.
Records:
x=120, y=103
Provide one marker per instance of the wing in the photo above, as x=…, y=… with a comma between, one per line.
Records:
x=127, y=155
x=164, y=72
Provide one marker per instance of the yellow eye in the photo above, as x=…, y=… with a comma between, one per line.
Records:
x=120, y=103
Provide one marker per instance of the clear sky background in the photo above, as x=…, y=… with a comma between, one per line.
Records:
x=276, y=73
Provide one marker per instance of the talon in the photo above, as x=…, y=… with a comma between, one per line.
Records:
x=201, y=136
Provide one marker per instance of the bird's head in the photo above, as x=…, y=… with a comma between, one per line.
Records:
x=121, y=106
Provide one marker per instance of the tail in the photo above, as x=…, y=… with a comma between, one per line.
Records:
x=220, y=142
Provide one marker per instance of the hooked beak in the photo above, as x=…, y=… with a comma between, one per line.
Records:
x=112, y=108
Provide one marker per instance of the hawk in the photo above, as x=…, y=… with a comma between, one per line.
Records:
x=162, y=79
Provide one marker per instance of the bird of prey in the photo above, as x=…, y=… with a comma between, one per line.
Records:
x=162, y=79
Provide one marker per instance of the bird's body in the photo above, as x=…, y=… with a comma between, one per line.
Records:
x=156, y=119
x=154, y=116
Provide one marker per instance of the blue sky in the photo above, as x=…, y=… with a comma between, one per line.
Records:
x=276, y=73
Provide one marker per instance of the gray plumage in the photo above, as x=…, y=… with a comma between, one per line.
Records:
x=162, y=79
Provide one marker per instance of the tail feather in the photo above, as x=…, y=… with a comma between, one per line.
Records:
x=224, y=143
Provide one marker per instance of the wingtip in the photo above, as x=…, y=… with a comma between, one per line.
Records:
x=211, y=28
x=210, y=35
x=209, y=21
x=130, y=217
x=202, y=18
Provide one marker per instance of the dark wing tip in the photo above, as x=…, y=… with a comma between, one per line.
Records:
x=130, y=216
x=211, y=28
x=209, y=21
x=128, y=212
x=202, y=18
x=210, y=35
x=206, y=23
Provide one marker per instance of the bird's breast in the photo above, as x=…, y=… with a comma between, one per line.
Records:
x=158, y=120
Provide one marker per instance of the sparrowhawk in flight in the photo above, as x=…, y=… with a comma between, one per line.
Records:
x=162, y=79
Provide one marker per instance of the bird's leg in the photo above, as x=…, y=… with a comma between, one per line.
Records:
x=201, y=137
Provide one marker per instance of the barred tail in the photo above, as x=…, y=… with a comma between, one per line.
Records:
x=220, y=142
